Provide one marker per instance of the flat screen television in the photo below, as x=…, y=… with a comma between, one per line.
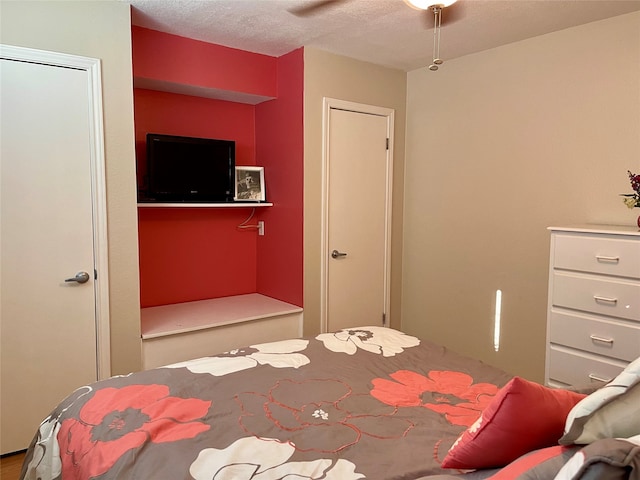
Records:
x=189, y=169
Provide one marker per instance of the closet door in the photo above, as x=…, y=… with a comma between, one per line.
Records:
x=48, y=304
x=358, y=205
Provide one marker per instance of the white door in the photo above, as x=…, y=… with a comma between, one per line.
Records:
x=358, y=209
x=48, y=330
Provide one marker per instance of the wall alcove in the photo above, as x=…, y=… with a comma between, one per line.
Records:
x=195, y=253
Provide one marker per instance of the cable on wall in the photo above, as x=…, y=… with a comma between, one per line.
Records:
x=245, y=224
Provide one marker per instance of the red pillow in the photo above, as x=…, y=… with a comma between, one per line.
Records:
x=523, y=416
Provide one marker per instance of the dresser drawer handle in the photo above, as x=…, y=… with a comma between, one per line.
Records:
x=605, y=258
x=596, y=378
x=611, y=301
x=596, y=338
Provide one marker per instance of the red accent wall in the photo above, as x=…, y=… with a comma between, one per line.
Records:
x=191, y=254
x=280, y=148
x=169, y=113
x=170, y=58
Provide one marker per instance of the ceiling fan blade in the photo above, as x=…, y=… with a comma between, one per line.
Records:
x=313, y=8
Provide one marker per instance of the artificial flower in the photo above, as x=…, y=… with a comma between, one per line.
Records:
x=632, y=200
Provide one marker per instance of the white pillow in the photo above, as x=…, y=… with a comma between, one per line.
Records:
x=612, y=411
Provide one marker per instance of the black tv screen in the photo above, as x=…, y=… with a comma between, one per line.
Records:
x=189, y=169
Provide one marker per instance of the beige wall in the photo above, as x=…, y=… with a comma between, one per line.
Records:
x=99, y=29
x=328, y=75
x=500, y=145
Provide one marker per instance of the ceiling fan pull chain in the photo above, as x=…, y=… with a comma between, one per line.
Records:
x=437, y=21
x=437, y=59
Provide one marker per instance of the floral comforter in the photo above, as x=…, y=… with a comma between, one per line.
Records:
x=367, y=402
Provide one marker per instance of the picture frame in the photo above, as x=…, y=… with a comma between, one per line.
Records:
x=250, y=186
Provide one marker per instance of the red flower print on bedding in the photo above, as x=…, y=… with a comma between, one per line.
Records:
x=116, y=420
x=318, y=415
x=451, y=394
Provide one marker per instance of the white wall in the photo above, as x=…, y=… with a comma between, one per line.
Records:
x=99, y=29
x=335, y=76
x=500, y=145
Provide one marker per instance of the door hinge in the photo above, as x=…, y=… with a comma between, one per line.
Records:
x=384, y=319
x=387, y=144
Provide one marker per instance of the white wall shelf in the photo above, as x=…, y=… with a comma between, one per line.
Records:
x=205, y=205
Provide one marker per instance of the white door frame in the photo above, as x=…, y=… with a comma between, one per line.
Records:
x=327, y=105
x=98, y=184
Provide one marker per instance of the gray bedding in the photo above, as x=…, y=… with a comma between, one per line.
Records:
x=367, y=402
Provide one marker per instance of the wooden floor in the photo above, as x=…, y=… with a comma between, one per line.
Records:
x=10, y=466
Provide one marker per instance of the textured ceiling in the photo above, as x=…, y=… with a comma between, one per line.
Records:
x=385, y=32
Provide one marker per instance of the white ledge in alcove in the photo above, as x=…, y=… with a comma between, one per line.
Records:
x=202, y=314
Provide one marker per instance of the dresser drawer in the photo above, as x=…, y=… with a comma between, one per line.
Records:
x=605, y=255
x=594, y=335
x=576, y=368
x=605, y=296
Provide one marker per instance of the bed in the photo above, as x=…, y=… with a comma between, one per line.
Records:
x=367, y=402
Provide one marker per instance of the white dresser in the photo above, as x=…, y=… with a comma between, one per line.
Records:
x=593, y=319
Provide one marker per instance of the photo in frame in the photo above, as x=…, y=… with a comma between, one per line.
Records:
x=250, y=185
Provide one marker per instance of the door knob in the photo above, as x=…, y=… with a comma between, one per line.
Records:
x=81, y=277
x=337, y=254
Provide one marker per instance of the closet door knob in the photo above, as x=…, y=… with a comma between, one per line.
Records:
x=81, y=277
x=337, y=254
